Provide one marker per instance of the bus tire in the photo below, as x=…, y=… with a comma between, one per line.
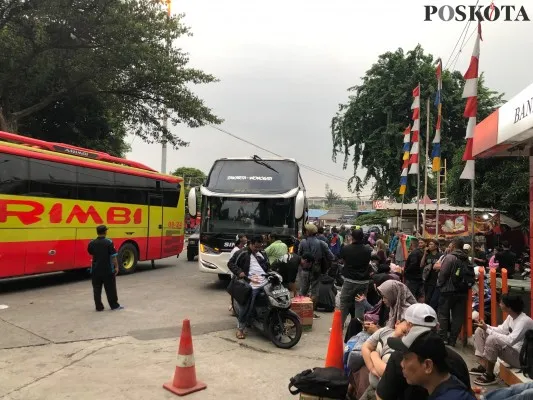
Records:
x=128, y=256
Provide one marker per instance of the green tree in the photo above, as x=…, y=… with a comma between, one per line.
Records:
x=332, y=197
x=192, y=177
x=112, y=51
x=368, y=128
x=375, y=218
x=501, y=183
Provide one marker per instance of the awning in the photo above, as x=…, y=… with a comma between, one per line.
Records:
x=507, y=131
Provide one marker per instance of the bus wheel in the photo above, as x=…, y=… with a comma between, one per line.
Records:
x=127, y=258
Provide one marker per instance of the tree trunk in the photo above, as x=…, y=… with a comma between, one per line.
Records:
x=6, y=124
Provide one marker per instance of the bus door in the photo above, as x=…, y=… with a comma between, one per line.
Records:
x=155, y=227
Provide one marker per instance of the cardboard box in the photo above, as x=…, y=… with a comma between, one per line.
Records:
x=303, y=307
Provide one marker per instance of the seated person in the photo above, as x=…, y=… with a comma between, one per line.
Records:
x=503, y=341
x=424, y=364
x=376, y=352
x=393, y=384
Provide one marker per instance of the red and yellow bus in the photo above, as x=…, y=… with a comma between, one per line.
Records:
x=53, y=195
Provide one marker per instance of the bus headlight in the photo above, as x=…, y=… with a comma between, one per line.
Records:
x=208, y=250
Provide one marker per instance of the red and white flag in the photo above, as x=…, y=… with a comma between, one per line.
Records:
x=470, y=93
x=415, y=148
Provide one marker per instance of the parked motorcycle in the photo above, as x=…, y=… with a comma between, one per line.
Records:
x=272, y=315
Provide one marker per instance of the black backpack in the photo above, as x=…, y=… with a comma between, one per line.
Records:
x=526, y=355
x=322, y=382
x=464, y=276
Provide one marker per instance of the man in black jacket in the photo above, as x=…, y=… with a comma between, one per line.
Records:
x=356, y=272
x=413, y=269
x=452, y=299
x=250, y=264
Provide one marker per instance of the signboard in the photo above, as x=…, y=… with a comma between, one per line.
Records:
x=380, y=204
x=451, y=225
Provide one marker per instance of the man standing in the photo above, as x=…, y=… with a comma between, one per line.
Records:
x=414, y=267
x=104, y=269
x=356, y=272
x=276, y=249
x=452, y=297
x=506, y=259
x=309, y=277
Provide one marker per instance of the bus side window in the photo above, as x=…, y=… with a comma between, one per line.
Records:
x=13, y=174
x=171, y=194
x=96, y=185
x=50, y=179
x=132, y=189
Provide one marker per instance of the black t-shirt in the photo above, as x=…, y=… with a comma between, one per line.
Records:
x=288, y=270
x=102, y=250
x=413, y=272
x=506, y=259
x=393, y=386
x=356, y=261
x=431, y=259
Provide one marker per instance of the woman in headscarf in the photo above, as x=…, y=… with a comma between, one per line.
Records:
x=397, y=297
x=355, y=325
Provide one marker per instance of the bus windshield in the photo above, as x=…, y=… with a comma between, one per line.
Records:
x=244, y=215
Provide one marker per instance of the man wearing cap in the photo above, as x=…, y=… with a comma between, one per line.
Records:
x=104, y=269
x=426, y=376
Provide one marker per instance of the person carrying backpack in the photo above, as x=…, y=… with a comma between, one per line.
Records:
x=455, y=277
x=310, y=276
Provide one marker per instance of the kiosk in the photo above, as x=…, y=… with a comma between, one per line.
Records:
x=508, y=132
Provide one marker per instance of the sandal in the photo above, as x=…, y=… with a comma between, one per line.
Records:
x=240, y=334
x=486, y=380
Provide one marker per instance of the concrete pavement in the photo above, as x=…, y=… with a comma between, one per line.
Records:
x=53, y=345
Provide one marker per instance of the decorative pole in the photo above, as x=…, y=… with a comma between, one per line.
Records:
x=405, y=166
x=435, y=154
x=426, y=166
x=415, y=148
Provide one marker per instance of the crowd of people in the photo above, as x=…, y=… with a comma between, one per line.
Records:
x=406, y=312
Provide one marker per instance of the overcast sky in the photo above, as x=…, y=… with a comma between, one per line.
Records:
x=284, y=66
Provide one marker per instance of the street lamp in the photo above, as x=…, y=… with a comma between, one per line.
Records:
x=389, y=221
x=485, y=216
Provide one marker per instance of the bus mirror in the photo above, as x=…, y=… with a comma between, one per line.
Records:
x=299, y=206
x=192, y=202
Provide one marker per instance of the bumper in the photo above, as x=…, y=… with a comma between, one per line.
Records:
x=214, y=263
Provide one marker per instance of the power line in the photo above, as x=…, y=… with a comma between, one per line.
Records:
x=465, y=43
x=317, y=171
x=465, y=29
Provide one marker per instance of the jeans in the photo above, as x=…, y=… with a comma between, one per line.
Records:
x=456, y=304
x=246, y=311
x=432, y=297
x=308, y=282
x=109, y=282
x=520, y=391
x=348, y=292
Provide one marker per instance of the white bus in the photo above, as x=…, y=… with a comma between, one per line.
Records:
x=248, y=195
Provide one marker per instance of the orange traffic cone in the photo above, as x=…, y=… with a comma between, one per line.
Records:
x=336, y=345
x=184, y=381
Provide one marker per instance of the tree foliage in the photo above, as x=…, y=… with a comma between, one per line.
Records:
x=111, y=53
x=501, y=183
x=332, y=197
x=374, y=218
x=368, y=128
x=192, y=177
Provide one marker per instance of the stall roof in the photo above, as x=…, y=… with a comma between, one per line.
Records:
x=316, y=212
x=507, y=131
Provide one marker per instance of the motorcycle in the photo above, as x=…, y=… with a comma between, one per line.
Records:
x=272, y=315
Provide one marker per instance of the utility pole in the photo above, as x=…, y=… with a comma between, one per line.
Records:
x=165, y=115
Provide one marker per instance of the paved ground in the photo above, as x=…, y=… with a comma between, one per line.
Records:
x=53, y=345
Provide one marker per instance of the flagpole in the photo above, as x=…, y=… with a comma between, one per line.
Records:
x=473, y=221
x=401, y=212
x=438, y=205
x=426, y=168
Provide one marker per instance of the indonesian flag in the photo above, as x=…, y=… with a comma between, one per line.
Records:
x=470, y=94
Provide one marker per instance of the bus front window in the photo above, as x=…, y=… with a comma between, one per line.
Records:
x=235, y=215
